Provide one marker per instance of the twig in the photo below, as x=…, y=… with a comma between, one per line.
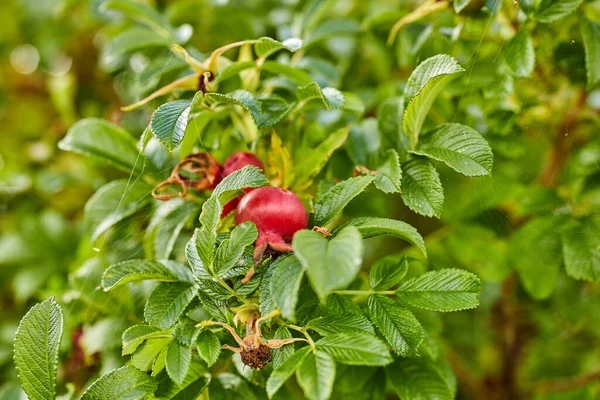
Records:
x=568, y=384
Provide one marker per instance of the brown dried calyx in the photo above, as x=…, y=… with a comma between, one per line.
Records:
x=254, y=350
x=198, y=171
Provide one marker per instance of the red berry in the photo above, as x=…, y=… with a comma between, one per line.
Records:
x=234, y=162
x=277, y=213
x=239, y=160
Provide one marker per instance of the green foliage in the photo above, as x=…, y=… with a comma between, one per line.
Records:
x=480, y=113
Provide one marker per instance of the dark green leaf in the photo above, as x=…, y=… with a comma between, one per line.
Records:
x=422, y=189
x=229, y=252
x=520, y=55
x=316, y=375
x=178, y=361
x=398, y=325
x=335, y=199
x=285, y=284
x=170, y=121
x=166, y=303
x=581, y=250
x=443, y=290
x=282, y=373
x=209, y=346
x=387, y=272
x=341, y=323
x=553, y=10
x=356, y=348
x=590, y=32
x=418, y=378
x=135, y=271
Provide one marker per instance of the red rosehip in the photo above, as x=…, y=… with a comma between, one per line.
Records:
x=234, y=162
x=277, y=214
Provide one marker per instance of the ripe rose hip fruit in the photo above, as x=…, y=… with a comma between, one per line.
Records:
x=277, y=214
x=234, y=162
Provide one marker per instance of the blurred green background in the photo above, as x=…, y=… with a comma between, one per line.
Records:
x=57, y=66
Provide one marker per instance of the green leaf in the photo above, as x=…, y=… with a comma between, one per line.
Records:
x=104, y=141
x=139, y=12
x=330, y=204
x=388, y=178
x=178, y=361
x=166, y=303
x=209, y=346
x=125, y=383
x=285, y=284
x=536, y=253
x=424, y=85
x=315, y=159
x=520, y=55
x=136, y=39
x=114, y=202
x=458, y=146
x=280, y=163
x=398, y=325
x=443, y=290
x=283, y=353
x=389, y=122
x=170, y=121
x=241, y=98
x=459, y=5
x=36, y=346
x=296, y=75
x=590, y=32
x=135, y=271
x=168, y=220
x=337, y=304
x=193, y=384
x=282, y=373
x=231, y=250
x=227, y=386
x=330, y=97
x=331, y=28
x=553, y=10
x=370, y=227
x=265, y=46
x=346, y=323
x=422, y=189
x=581, y=250
x=134, y=336
x=387, y=272
x=316, y=375
x=274, y=109
x=330, y=264
x=248, y=177
x=233, y=69
x=418, y=379
x=152, y=354
x=356, y=348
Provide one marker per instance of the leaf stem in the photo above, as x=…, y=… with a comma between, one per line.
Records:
x=363, y=292
x=233, y=292
x=425, y=9
x=304, y=331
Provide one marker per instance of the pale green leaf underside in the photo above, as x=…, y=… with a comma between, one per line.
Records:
x=330, y=264
x=423, y=86
x=460, y=147
x=125, y=383
x=36, y=346
x=285, y=284
x=135, y=335
x=442, y=290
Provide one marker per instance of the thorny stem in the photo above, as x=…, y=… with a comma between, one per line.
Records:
x=304, y=331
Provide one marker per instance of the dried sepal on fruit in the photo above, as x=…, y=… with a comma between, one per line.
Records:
x=254, y=349
x=198, y=171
